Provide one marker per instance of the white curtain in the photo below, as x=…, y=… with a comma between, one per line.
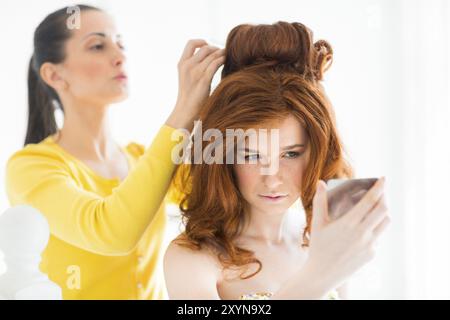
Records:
x=426, y=156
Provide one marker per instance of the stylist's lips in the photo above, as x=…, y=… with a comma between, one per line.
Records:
x=273, y=197
x=121, y=77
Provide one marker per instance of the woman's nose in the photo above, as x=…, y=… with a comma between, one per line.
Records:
x=272, y=181
x=119, y=57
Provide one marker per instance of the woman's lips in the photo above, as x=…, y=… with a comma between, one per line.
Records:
x=121, y=77
x=273, y=198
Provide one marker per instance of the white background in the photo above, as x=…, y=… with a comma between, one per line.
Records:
x=389, y=84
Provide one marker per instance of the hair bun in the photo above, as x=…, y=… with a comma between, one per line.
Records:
x=280, y=45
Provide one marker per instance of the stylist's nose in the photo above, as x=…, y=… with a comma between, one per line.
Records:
x=119, y=57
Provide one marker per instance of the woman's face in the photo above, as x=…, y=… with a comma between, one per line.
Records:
x=274, y=193
x=94, y=66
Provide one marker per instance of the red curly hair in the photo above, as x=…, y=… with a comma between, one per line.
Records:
x=270, y=73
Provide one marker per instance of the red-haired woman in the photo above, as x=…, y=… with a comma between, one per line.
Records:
x=106, y=237
x=243, y=237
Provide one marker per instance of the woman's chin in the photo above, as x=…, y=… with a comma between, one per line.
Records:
x=273, y=209
x=119, y=97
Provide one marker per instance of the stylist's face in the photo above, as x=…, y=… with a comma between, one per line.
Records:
x=94, y=66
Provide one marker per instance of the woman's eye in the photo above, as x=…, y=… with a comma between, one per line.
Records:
x=252, y=157
x=121, y=46
x=97, y=47
x=292, y=154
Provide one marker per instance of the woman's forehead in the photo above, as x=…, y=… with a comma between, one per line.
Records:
x=289, y=131
x=288, y=127
x=94, y=22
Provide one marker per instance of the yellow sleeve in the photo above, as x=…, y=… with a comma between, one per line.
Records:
x=109, y=225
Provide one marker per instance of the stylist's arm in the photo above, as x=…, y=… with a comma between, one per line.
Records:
x=114, y=224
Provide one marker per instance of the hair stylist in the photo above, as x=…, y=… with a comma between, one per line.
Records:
x=102, y=201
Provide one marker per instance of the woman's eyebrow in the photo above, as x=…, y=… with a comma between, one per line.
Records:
x=101, y=34
x=248, y=150
x=298, y=145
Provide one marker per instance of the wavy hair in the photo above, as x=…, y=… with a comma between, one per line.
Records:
x=271, y=72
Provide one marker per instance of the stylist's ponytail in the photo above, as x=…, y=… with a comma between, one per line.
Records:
x=41, y=115
x=49, y=46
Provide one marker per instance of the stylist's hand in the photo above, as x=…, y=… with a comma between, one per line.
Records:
x=339, y=248
x=195, y=73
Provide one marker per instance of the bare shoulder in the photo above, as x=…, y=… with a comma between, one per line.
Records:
x=178, y=254
x=190, y=273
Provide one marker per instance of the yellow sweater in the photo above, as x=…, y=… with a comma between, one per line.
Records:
x=106, y=235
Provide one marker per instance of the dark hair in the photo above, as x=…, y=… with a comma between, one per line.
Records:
x=48, y=46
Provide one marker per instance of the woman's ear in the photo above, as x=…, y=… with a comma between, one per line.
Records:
x=51, y=75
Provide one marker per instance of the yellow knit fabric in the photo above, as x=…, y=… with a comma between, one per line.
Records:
x=106, y=235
